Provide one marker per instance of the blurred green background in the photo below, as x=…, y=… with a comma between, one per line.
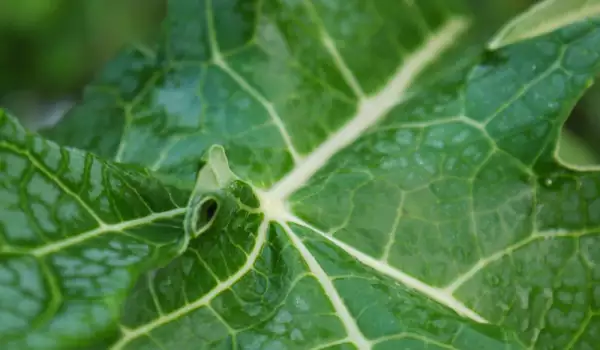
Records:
x=49, y=49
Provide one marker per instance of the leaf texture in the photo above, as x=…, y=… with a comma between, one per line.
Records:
x=365, y=207
x=75, y=234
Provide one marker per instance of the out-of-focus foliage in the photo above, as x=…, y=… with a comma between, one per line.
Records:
x=496, y=13
x=54, y=46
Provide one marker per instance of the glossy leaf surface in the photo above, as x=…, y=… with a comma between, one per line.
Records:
x=75, y=234
x=365, y=207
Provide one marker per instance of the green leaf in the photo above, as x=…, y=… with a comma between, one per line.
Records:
x=364, y=207
x=545, y=17
x=76, y=233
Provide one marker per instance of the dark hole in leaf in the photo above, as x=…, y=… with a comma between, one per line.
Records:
x=205, y=214
x=200, y=165
x=492, y=59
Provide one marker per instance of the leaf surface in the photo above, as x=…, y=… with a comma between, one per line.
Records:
x=76, y=233
x=365, y=206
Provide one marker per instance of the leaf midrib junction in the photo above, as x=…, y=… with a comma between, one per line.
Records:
x=371, y=110
x=273, y=201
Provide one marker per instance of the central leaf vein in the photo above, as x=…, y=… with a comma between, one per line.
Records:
x=371, y=109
